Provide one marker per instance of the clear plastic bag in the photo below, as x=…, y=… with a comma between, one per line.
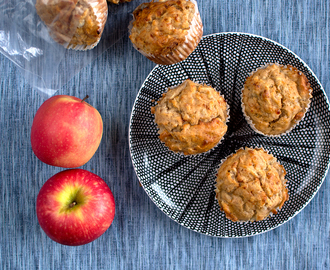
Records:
x=46, y=65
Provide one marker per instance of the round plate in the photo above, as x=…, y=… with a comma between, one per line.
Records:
x=183, y=186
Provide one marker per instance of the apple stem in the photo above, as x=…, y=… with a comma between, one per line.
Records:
x=86, y=97
x=72, y=204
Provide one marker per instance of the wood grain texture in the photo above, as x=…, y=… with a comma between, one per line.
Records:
x=141, y=236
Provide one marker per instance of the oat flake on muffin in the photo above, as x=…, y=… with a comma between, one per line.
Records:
x=275, y=98
x=191, y=118
x=251, y=185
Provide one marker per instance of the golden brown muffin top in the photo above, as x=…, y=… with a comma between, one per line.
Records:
x=191, y=118
x=276, y=98
x=159, y=27
x=251, y=185
x=74, y=22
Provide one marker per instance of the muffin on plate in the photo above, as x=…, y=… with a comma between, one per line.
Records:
x=250, y=185
x=75, y=24
x=166, y=32
x=191, y=118
x=275, y=98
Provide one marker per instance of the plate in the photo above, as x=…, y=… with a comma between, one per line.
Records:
x=183, y=186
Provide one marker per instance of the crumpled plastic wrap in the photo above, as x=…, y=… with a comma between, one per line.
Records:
x=45, y=64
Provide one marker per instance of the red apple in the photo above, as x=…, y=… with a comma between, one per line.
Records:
x=66, y=131
x=74, y=207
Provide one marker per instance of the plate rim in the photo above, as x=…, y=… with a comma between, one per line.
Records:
x=253, y=234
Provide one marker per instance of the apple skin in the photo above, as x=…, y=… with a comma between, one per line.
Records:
x=78, y=223
x=66, y=131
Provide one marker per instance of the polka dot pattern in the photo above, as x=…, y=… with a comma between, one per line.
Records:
x=183, y=186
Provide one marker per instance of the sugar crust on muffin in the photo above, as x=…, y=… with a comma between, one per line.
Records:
x=75, y=24
x=275, y=98
x=166, y=32
x=191, y=118
x=251, y=185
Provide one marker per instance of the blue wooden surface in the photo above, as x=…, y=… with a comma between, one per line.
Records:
x=141, y=236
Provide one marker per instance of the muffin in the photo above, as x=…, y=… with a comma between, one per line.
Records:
x=251, y=185
x=118, y=1
x=275, y=98
x=75, y=24
x=191, y=118
x=166, y=32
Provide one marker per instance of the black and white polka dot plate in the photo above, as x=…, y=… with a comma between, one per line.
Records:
x=183, y=186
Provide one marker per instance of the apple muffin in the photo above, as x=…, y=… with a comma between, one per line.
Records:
x=251, y=185
x=191, y=118
x=75, y=24
x=166, y=32
x=275, y=98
